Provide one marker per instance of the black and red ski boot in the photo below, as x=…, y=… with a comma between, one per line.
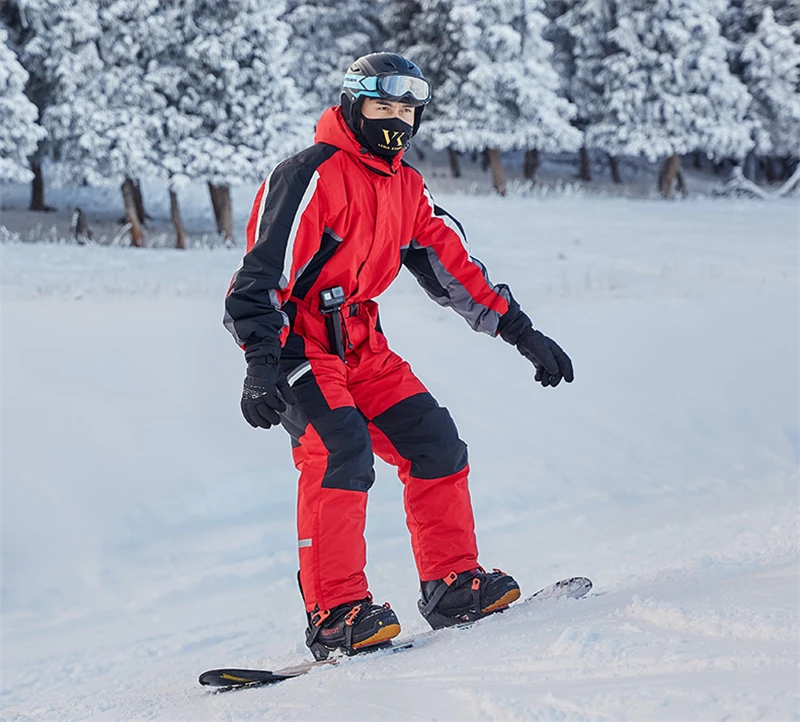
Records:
x=353, y=627
x=466, y=597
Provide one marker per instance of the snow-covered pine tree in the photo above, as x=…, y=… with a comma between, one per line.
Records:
x=19, y=131
x=503, y=92
x=424, y=32
x=667, y=90
x=771, y=71
x=419, y=29
x=325, y=38
x=582, y=33
x=109, y=122
x=186, y=90
x=231, y=108
x=55, y=44
x=741, y=23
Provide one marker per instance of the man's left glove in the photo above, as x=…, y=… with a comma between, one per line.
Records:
x=549, y=359
x=266, y=392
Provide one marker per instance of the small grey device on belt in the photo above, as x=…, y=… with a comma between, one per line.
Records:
x=330, y=305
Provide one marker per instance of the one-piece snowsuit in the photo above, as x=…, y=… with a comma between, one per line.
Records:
x=335, y=215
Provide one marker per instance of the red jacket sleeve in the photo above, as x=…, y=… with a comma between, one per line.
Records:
x=283, y=234
x=439, y=258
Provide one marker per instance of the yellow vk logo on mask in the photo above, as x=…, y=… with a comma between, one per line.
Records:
x=394, y=136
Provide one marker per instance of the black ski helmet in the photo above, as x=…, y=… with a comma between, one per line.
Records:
x=382, y=66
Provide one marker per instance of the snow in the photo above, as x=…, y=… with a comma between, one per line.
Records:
x=148, y=532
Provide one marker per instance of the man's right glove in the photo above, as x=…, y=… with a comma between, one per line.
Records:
x=266, y=391
x=550, y=361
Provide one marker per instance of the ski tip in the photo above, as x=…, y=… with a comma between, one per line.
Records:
x=236, y=677
x=572, y=588
x=576, y=587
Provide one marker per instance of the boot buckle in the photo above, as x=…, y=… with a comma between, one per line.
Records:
x=351, y=615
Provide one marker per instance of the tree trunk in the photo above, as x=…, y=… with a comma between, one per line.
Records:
x=137, y=195
x=485, y=160
x=669, y=172
x=81, y=232
x=681, y=183
x=697, y=159
x=531, y=164
x=214, y=193
x=769, y=169
x=177, y=222
x=750, y=166
x=223, y=210
x=37, y=189
x=498, y=175
x=586, y=169
x=227, y=213
x=614, y=167
x=420, y=153
x=131, y=214
x=455, y=164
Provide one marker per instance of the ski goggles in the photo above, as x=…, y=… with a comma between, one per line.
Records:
x=398, y=88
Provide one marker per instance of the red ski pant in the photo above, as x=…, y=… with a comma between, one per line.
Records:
x=346, y=412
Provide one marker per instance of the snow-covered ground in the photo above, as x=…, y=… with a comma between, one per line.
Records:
x=148, y=532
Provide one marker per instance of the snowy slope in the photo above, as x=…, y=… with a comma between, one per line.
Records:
x=147, y=531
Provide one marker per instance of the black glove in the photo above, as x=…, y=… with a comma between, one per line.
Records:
x=551, y=363
x=266, y=391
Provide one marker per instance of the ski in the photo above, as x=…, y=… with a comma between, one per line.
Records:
x=231, y=678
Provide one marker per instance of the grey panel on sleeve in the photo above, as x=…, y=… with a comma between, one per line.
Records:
x=451, y=293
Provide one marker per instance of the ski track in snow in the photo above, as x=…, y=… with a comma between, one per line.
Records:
x=148, y=533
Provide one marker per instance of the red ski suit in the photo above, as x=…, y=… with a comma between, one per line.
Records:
x=334, y=215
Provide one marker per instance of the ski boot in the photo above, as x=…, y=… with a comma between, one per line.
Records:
x=466, y=597
x=353, y=627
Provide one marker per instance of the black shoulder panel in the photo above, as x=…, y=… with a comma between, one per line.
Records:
x=253, y=314
x=288, y=183
x=313, y=156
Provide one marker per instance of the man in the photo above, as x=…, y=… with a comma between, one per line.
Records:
x=330, y=229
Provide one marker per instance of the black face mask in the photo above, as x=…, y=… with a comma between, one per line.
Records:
x=386, y=137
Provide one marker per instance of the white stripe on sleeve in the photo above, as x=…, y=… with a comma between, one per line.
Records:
x=304, y=201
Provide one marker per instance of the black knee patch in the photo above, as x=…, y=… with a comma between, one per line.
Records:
x=343, y=431
x=351, y=463
x=424, y=433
